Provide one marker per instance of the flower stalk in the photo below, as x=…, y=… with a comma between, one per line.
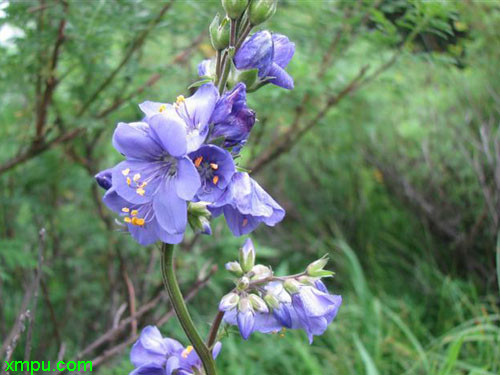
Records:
x=181, y=311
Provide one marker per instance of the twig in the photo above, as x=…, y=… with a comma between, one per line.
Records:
x=136, y=44
x=108, y=354
x=38, y=276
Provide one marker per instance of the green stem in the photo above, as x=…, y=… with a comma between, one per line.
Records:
x=177, y=301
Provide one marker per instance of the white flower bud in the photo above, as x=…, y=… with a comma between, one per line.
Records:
x=258, y=303
x=292, y=286
x=235, y=268
x=229, y=301
x=247, y=255
x=261, y=272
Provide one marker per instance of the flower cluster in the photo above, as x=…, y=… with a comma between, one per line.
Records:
x=265, y=303
x=172, y=158
x=153, y=354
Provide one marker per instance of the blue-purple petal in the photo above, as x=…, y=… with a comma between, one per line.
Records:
x=283, y=50
x=187, y=181
x=256, y=53
x=134, y=141
x=280, y=77
x=171, y=133
x=171, y=211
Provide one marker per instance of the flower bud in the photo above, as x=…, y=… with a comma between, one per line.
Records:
x=199, y=217
x=103, y=179
x=234, y=8
x=271, y=301
x=292, y=286
x=243, y=283
x=258, y=303
x=245, y=305
x=315, y=269
x=247, y=256
x=234, y=268
x=261, y=272
x=229, y=301
x=262, y=10
x=306, y=280
x=219, y=33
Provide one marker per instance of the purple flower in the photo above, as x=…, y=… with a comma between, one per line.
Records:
x=140, y=220
x=270, y=54
x=314, y=309
x=187, y=361
x=248, y=320
x=245, y=205
x=151, y=351
x=216, y=168
x=156, y=171
x=194, y=113
x=154, y=355
x=103, y=178
x=232, y=119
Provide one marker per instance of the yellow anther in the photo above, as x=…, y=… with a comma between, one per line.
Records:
x=137, y=221
x=282, y=335
x=126, y=171
x=127, y=220
x=125, y=209
x=134, y=212
x=215, y=180
x=180, y=99
x=140, y=191
x=198, y=161
x=129, y=181
x=186, y=351
x=214, y=166
x=136, y=177
x=162, y=108
x=245, y=222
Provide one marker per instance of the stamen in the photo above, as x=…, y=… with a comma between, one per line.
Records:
x=126, y=171
x=127, y=220
x=134, y=212
x=140, y=191
x=215, y=180
x=137, y=176
x=162, y=108
x=129, y=181
x=186, y=351
x=180, y=99
x=137, y=221
x=245, y=222
x=214, y=166
x=198, y=161
x=125, y=209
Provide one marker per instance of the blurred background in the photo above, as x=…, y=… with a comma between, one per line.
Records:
x=386, y=156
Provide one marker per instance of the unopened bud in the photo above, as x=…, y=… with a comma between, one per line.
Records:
x=243, y=283
x=258, y=303
x=271, y=301
x=199, y=217
x=262, y=10
x=292, y=286
x=234, y=268
x=261, y=272
x=234, y=8
x=247, y=256
x=229, y=301
x=245, y=305
x=315, y=269
x=306, y=280
x=219, y=33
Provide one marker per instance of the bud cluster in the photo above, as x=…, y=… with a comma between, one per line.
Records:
x=266, y=303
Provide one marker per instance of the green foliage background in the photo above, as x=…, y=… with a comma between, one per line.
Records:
x=398, y=180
